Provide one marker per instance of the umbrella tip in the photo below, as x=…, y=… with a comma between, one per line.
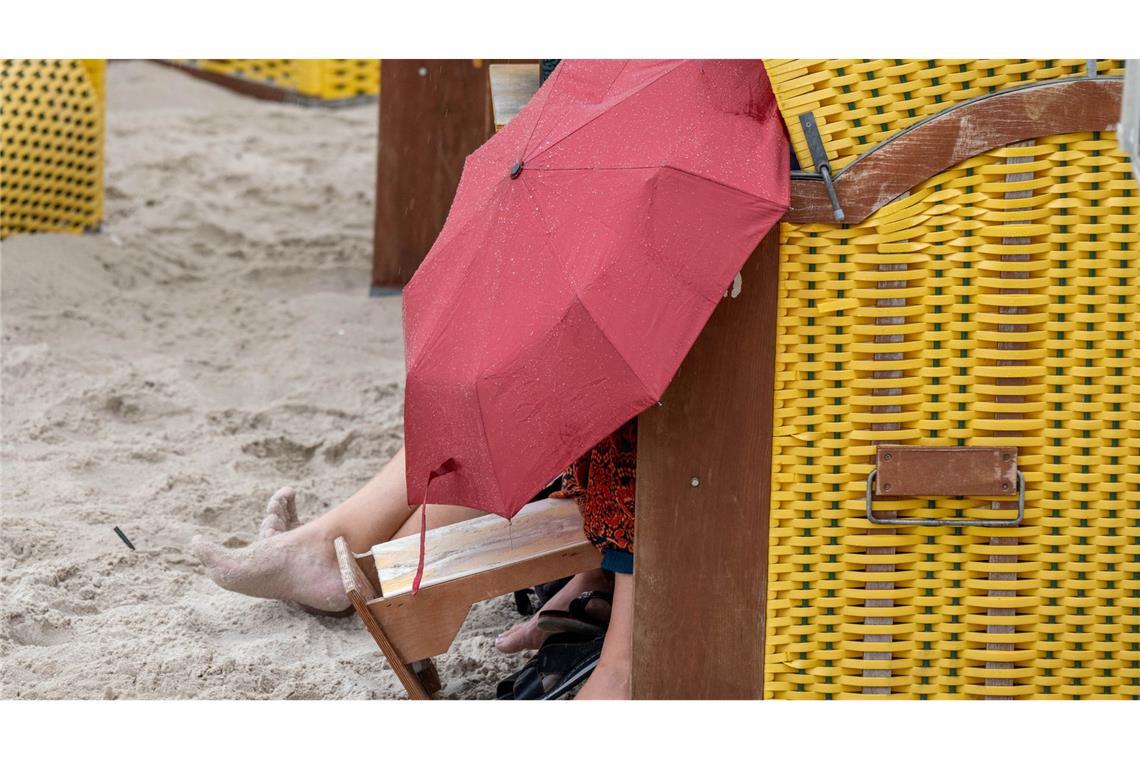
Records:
x=516, y=170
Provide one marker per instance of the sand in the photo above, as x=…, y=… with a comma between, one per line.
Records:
x=213, y=342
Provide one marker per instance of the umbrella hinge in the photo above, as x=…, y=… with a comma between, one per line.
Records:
x=819, y=158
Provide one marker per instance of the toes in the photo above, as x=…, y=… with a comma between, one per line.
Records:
x=216, y=558
x=517, y=638
x=284, y=505
x=271, y=525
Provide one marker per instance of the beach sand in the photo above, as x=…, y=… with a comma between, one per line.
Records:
x=214, y=342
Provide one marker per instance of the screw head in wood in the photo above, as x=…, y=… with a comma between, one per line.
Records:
x=886, y=457
x=886, y=486
x=695, y=482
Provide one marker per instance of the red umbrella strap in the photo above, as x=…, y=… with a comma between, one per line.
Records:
x=448, y=466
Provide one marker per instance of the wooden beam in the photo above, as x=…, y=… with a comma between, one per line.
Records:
x=702, y=551
x=935, y=144
x=433, y=113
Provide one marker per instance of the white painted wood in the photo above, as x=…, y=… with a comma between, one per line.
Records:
x=473, y=546
x=512, y=86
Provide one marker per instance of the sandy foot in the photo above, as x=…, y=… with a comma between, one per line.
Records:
x=291, y=565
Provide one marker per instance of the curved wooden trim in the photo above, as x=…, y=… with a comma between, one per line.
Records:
x=942, y=141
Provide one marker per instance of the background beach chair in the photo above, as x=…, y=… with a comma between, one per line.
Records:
x=307, y=81
x=51, y=139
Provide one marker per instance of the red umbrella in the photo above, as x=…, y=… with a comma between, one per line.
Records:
x=588, y=244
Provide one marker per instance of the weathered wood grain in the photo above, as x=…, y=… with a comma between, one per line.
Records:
x=702, y=551
x=433, y=113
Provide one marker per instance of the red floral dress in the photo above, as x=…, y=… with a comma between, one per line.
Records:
x=603, y=482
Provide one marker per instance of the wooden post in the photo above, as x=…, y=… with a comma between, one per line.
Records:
x=433, y=113
x=702, y=550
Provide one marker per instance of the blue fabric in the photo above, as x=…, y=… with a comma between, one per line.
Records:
x=617, y=561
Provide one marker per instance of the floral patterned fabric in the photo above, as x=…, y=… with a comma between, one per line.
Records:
x=603, y=482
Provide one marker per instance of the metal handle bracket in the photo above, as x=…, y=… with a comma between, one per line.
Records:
x=953, y=521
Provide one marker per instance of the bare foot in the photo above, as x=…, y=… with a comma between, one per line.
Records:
x=521, y=637
x=289, y=561
x=527, y=635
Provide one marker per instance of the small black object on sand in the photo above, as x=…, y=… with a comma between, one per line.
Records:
x=126, y=540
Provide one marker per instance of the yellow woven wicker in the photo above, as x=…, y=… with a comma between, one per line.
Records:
x=861, y=102
x=996, y=304
x=322, y=78
x=51, y=137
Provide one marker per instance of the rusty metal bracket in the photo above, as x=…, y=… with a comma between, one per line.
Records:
x=946, y=471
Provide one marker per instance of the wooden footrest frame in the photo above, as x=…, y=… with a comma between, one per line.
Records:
x=464, y=563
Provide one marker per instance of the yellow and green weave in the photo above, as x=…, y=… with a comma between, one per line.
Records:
x=997, y=303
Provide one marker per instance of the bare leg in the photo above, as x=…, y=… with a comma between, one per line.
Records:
x=379, y=511
x=527, y=635
x=610, y=679
x=297, y=563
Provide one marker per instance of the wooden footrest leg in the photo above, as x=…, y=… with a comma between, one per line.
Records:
x=428, y=675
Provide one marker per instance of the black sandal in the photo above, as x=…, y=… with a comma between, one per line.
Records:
x=578, y=619
x=563, y=662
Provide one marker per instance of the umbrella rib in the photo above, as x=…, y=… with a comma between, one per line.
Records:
x=549, y=234
x=554, y=79
x=725, y=185
x=574, y=289
x=594, y=118
x=487, y=443
x=609, y=340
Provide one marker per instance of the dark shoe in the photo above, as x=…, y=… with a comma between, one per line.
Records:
x=589, y=615
x=564, y=661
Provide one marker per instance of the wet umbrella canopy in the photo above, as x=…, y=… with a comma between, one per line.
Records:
x=588, y=244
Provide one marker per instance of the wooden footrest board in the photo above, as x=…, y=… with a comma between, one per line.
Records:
x=546, y=527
